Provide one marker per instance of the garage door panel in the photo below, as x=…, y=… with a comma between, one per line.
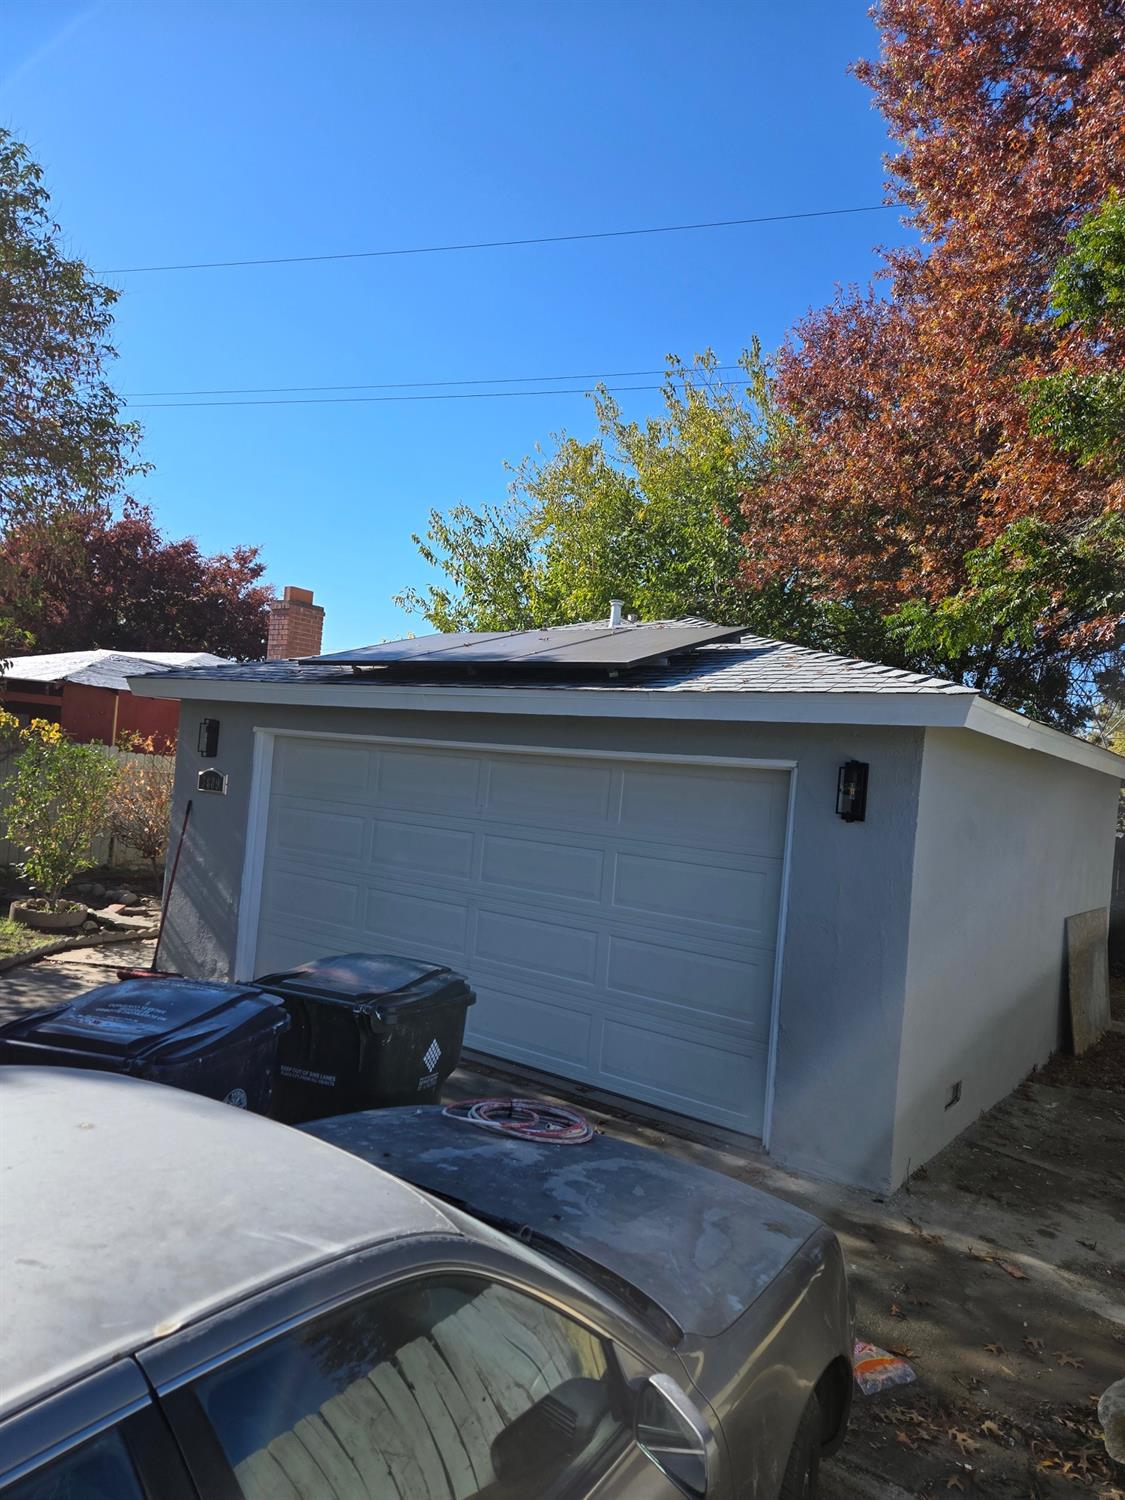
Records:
x=617, y=919
x=696, y=982
x=448, y=782
x=420, y=920
x=423, y=849
x=720, y=808
x=325, y=768
x=515, y=1023
x=303, y=830
x=295, y=891
x=547, y=868
x=743, y=900
x=677, y=1071
x=537, y=947
x=542, y=790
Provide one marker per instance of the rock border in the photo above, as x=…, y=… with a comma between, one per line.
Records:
x=91, y=940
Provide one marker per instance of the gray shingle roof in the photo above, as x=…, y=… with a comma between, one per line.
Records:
x=755, y=664
x=103, y=668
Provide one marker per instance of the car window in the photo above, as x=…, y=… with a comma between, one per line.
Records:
x=99, y=1470
x=442, y=1389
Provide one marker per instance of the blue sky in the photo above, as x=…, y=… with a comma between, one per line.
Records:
x=215, y=131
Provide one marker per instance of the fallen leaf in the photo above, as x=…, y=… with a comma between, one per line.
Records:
x=896, y=1311
x=1069, y=1359
x=994, y=1348
x=1033, y=1346
x=992, y=1429
x=902, y=1351
x=955, y=1482
x=961, y=1440
x=1014, y=1271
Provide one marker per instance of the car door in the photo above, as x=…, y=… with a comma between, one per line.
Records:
x=100, y=1439
x=447, y=1384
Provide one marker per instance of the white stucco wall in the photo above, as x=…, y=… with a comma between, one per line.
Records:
x=1009, y=844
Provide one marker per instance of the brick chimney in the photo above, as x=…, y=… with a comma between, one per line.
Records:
x=296, y=624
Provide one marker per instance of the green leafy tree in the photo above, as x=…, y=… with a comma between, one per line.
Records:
x=1082, y=411
x=646, y=512
x=58, y=801
x=63, y=444
x=641, y=513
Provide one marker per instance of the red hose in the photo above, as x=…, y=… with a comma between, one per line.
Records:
x=527, y=1119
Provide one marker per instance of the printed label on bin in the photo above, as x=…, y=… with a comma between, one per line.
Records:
x=237, y=1098
x=130, y=1019
x=307, y=1075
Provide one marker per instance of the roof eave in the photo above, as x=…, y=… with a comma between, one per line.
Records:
x=902, y=708
x=882, y=707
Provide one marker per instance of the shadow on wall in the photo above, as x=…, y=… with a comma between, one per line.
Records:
x=202, y=905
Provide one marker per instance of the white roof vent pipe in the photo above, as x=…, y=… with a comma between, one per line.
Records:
x=615, y=608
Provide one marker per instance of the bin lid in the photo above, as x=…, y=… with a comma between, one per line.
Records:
x=380, y=984
x=139, y=1016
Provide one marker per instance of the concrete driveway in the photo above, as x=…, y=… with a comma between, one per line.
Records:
x=999, y=1270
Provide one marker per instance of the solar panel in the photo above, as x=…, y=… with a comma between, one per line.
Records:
x=581, y=647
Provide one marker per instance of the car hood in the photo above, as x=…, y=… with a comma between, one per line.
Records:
x=699, y=1244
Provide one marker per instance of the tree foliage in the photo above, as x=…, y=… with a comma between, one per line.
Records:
x=87, y=579
x=910, y=477
x=642, y=512
x=1083, y=415
x=645, y=512
x=81, y=564
x=62, y=441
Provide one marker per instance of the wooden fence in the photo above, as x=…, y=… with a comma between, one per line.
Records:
x=109, y=853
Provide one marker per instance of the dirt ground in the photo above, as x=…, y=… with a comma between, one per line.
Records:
x=998, y=1271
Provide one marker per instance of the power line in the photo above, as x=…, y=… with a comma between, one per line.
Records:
x=401, y=385
x=446, y=396
x=546, y=239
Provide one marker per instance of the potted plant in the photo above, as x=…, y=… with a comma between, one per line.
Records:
x=58, y=802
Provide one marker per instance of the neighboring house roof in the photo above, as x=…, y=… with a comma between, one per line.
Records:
x=754, y=680
x=104, y=669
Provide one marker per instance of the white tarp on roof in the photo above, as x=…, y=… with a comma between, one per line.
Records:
x=105, y=669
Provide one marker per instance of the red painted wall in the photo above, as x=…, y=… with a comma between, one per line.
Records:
x=88, y=713
x=93, y=714
x=158, y=717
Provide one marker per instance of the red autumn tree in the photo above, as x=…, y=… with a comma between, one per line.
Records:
x=77, y=581
x=909, y=481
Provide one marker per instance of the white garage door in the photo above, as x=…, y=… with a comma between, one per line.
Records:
x=617, y=918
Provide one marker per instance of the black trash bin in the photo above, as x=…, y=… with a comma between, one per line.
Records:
x=369, y=1030
x=219, y=1040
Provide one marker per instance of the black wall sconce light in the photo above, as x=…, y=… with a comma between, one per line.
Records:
x=208, y=738
x=851, y=791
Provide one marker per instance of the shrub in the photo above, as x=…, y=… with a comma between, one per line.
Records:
x=141, y=803
x=58, y=802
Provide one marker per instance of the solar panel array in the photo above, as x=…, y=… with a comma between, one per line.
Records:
x=590, y=647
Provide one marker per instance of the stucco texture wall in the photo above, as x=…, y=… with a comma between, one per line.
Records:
x=1009, y=844
x=844, y=966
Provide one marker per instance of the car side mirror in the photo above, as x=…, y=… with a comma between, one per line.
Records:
x=672, y=1432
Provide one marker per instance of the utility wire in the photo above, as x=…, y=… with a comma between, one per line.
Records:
x=446, y=396
x=401, y=385
x=546, y=239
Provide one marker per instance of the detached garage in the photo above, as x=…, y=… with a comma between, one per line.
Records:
x=814, y=901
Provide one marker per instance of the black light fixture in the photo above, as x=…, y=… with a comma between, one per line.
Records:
x=851, y=791
x=208, y=741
